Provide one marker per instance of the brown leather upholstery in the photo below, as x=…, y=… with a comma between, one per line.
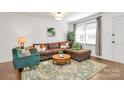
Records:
x=53, y=45
x=53, y=48
x=50, y=52
x=79, y=55
x=41, y=44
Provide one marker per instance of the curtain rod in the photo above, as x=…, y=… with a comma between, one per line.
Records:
x=87, y=18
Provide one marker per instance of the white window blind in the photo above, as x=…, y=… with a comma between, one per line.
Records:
x=80, y=33
x=86, y=32
x=91, y=33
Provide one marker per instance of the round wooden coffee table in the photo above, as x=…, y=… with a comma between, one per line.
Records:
x=61, y=60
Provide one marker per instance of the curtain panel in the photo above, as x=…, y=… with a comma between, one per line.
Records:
x=98, y=37
x=74, y=29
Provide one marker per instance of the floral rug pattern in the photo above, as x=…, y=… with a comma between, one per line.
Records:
x=75, y=71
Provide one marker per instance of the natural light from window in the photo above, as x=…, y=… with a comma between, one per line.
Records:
x=86, y=32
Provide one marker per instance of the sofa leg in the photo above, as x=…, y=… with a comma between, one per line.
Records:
x=53, y=62
x=70, y=61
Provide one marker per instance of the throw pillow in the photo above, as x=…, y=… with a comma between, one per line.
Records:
x=43, y=49
x=76, y=46
x=38, y=48
x=67, y=45
x=61, y=43
x=25, y=52
x=63, y=46
x=43, y=45
x=33, y=50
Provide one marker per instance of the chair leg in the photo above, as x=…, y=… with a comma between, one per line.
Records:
x=19, y=70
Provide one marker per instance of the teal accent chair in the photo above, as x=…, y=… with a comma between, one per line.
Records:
x=28, y=61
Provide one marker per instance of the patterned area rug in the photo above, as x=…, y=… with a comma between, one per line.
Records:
x=75, y=71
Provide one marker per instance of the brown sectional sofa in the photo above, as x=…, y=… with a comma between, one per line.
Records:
x=79, y=55
x=54, y=48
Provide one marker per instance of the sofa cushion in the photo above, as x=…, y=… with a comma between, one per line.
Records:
x=79, y=55
x=77, y=52
x=50, y=52
x=53, y=45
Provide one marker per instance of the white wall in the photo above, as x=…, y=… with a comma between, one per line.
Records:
x=14, y=25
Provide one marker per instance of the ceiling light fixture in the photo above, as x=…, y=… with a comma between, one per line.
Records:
x=59, y=16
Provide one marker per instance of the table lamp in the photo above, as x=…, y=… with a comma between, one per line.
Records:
x=22, y=40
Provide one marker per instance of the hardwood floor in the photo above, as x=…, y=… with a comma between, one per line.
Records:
x=114, y=71
x=7, y=72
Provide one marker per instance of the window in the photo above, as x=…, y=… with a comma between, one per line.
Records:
x=80, y=33
x=91, y=33
x=86, y=32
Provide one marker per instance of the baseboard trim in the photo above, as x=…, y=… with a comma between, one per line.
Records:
x=105, y=59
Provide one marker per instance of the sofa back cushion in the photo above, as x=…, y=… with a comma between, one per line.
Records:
x=53, y=45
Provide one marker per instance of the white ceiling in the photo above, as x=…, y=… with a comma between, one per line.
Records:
x=68, y=16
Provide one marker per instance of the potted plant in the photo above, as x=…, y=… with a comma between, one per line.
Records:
x=61, y=54
x=70, y=37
